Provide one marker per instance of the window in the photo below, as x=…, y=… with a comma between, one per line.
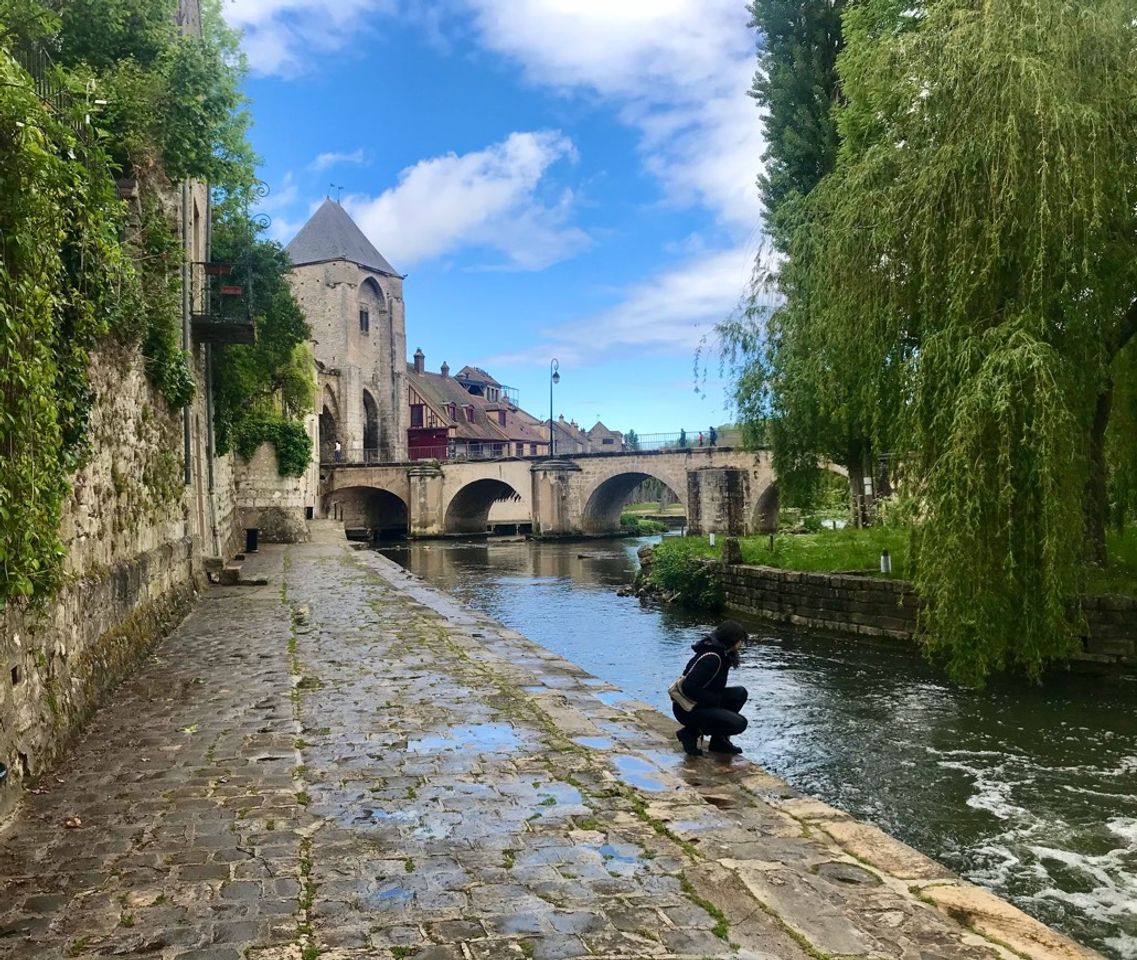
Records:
x=469, y=411
x=607, y=440
x=364, y=321
x=497, y=449
x=416, y=415
x=452, y=409
x=521, y=449
x=492, y=394
x=532, y=449
x=501, y=417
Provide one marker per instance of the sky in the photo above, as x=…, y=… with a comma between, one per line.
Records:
x=569, y=179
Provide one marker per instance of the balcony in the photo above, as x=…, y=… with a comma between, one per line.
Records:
x=222, y=312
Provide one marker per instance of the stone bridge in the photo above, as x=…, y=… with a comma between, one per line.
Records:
x=723, y=490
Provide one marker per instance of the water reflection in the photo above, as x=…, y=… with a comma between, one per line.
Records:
x=1031, y=791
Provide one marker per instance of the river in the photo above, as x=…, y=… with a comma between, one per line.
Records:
x=1028, y=791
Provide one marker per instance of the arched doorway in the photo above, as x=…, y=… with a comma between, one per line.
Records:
x=329, y=426
x=469, y=510
x=370, y=428
x=602, y=511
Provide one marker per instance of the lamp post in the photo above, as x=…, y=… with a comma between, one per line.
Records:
x=554, y=378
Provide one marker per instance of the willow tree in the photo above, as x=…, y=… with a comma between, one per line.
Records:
x=979, y=246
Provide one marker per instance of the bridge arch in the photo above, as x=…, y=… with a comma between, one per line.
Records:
x=469, y=509
x=604, y=503
x=381, y=512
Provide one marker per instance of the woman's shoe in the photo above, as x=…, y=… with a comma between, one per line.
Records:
x=723, y=745
x=690, y=740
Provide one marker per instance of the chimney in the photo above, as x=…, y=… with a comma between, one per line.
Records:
x=445, y=369
x=420, y=361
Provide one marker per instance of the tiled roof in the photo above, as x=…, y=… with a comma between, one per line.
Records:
x=330, y=234
x=440, y=392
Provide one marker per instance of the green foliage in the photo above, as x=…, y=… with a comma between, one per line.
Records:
x=974, y=266
x=289, y=438
x=641, y=526
x=831, y=551
x=794, y=389
x=263, y=390
x=632, y=440
x=680, y=571
x=61, y=274
x=67, y=280
x=796, y=84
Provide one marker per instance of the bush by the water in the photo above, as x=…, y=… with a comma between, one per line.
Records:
x=641, y=526
x=678, y=572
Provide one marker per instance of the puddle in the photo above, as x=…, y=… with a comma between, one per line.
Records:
x=611, y=697
x=638, y=773
x=481, y=737
x=594, y=743
x=390, y=895
x=617, y=852
x=370, y=815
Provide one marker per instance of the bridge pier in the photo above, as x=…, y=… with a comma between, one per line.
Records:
x=426, y=507
x=717, y=501
x=554, y=508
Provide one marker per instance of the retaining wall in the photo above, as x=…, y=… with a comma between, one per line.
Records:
x=875, y=607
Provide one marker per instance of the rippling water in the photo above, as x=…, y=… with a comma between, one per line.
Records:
x=1029, y=791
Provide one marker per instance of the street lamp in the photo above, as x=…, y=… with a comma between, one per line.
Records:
x=554, y=378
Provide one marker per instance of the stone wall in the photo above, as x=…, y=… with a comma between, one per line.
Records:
x=887, y=608
x=277, y=506
x=134, y=534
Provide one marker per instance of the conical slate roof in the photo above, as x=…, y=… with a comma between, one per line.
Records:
x=331, y=234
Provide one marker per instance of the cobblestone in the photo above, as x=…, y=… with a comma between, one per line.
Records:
x=346, y=764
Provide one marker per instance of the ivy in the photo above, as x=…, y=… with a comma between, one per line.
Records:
x=263, y=390
x=75, y=266
x=63, y=275
x=289, y=437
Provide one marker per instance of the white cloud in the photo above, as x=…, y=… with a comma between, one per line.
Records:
x=490, y=199
x=667, y=314
x=679, y=71
x=325, y=161
x=281, y=35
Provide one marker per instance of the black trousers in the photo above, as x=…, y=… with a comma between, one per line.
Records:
x=725, y=720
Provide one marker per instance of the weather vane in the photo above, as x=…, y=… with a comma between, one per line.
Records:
x=337, y=188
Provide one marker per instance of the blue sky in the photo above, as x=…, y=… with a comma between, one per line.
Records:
x=557, y=178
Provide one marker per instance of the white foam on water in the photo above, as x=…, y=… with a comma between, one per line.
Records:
x=1124, y=945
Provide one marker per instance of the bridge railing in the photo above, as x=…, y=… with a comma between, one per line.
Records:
x=680, y=440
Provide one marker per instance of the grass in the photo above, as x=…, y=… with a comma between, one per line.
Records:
x=652, y=506
x=1121, y=574
x=829, y=551
x=849, y=549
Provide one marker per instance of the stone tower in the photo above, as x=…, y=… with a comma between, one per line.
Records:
x=353, y=299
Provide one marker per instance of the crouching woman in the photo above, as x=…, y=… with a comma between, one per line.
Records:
x=701, y=699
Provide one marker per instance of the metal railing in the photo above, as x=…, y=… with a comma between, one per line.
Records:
x=36, y=62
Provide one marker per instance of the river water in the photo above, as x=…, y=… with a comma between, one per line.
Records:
x=1029, y=791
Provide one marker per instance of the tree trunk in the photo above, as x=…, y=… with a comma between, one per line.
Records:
x=861, y=501
x=1097, y=492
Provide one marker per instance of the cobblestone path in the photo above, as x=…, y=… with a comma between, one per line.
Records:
x=347, y=764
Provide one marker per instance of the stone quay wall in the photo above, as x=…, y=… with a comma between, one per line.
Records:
x=874, y=607
x=135, y=534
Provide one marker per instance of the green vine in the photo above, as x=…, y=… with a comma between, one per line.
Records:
x=67, y=278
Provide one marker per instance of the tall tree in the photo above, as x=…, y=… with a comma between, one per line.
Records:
x=978, y=243
x=790, y=387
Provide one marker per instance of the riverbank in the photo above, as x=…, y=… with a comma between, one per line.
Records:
x=346, y=762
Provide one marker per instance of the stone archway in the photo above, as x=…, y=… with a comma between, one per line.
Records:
x=766, y=510
x=603, y=506
x=381, y=513
x=469, y=509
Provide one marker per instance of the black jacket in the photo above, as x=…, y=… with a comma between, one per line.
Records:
x=704, y=677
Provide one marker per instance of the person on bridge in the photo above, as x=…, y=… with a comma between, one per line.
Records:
x=702, y=701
